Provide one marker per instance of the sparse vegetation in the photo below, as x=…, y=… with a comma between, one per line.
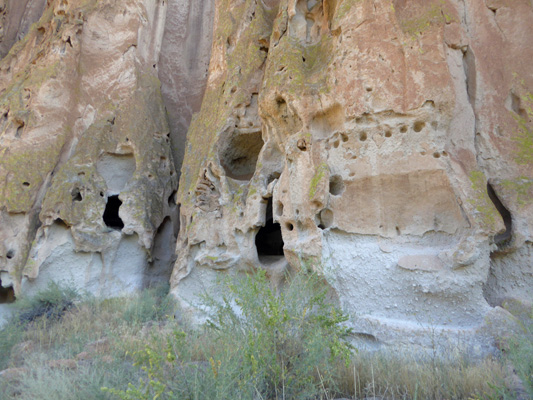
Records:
x=259, y=343
x=520, y=351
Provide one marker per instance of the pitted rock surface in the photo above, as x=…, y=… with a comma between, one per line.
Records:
x=385, y=144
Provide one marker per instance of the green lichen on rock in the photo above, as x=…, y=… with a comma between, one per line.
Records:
x=24, y=171
x=523, y=137
x=25, y=166
x=344, y=8
x=244, y=55
x=522, y=187
x=318, y=177
x=136, y=127
x=432, y=15
x=299, y=68
x=486, y=213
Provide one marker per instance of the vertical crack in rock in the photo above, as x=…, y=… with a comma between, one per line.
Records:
x=159, y=270
x=501, y=238
x=469, y=66
x=183, y=65
x=16, y=17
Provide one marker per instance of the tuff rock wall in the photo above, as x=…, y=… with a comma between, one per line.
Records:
x=88, y=178
x=387, y=145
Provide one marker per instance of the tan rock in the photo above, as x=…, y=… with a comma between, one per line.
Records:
x=85, y=156
x=391, y=157
x=385, y=145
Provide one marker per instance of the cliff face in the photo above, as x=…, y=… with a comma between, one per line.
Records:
x=387, y=145
x=86, y=162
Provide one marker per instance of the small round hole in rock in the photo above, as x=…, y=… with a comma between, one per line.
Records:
x=26, y=184
x=301, y=144
x=326, y=219
x=418, y=126
x=279, y=209
x=76, y=195
x=362, y=136
x=436, y=154
x=10, y=254
x=336, y=185
x=403, y=129
x=388, y=134
x=290, y=226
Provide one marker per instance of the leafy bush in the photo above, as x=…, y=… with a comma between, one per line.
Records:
x=257, y=344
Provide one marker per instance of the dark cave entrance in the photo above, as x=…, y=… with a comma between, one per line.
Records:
x=269, y=241
x=501, y=238
x=7, y=294
x=111, y=217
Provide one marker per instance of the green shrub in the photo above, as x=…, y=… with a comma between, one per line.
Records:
x=257, y=343
x=51, y=303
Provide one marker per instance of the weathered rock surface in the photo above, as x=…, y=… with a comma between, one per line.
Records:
x=183, y=65
x=385, y=144
x=85, y=158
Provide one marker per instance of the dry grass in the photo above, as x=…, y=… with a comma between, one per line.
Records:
x=127, y=325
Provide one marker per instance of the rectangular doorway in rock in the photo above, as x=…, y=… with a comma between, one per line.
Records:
x=7, y=294
x=269, y=241
x=111, y=216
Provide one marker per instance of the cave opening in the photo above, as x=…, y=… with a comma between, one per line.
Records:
x=269, y=241
x=239, y=155
x=111, y=216
x=501, y=238
x=7, y=294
